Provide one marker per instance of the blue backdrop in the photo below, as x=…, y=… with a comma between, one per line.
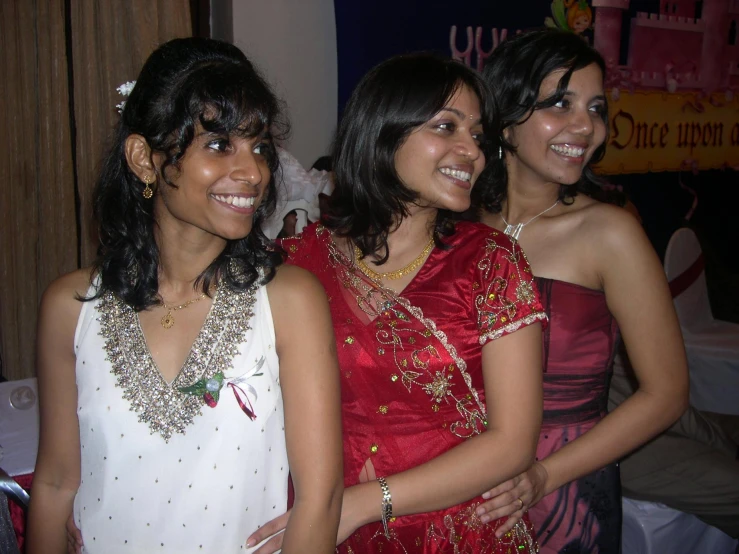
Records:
x=369, y=31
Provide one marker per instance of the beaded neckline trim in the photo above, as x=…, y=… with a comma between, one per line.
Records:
x=160, y=405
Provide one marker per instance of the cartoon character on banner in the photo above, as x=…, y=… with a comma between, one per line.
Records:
x=570, y=15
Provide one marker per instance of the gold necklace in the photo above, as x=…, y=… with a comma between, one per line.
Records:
x=168, y=320
x=398, y=273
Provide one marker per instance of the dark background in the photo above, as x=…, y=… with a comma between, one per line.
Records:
x=369, y=31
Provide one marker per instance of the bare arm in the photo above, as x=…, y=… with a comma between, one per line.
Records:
x=57, y=474
x=638, y=297
x=512, y=375
x=309, y=379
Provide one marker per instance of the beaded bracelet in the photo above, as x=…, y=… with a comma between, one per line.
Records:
x=386, y=510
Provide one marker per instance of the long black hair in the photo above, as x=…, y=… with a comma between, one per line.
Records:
x=185, y=82
x=514, y=73
x=392, y=100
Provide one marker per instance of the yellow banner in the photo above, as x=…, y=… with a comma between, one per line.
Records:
x=661, y=131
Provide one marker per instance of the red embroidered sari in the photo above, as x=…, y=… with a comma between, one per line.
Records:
x=411, y=372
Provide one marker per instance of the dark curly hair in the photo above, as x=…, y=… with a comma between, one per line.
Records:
x=185, y=82
x=514, y=72
x=392, y=100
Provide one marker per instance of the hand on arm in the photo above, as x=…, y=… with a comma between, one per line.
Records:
x=512, y=373
x=309, y=379
x=637, y=294
x=57, y=473
x=638, y=297
x=512, y=376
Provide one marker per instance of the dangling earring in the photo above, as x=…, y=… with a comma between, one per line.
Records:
x=148, y=191
x=500, y=152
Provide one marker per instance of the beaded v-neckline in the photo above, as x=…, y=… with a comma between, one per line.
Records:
x=161, y=405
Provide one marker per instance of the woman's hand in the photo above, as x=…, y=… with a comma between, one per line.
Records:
x=513, y=497
x=74, y=537
x=273, y=530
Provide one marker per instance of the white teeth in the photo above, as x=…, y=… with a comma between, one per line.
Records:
x=238, y=201
x=456, y=173
x=572, y=151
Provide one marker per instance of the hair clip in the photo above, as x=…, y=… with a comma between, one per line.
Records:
x=124, y=90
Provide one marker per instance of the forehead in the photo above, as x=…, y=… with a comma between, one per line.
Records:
x=465, y=101
x=585, y=81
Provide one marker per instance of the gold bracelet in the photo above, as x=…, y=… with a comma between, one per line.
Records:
x=386, y=509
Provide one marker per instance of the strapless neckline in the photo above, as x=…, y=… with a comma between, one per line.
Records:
x=567, y=284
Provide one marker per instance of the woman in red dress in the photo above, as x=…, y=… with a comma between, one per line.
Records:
x=597, y=273
x=437, y=322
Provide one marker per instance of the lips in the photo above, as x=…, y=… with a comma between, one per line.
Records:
x=236, y=200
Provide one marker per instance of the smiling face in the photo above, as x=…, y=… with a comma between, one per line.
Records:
x=219, y=185
x=555, y=144
x=581, y=23
x=441, y=159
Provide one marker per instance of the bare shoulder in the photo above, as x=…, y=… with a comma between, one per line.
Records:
x=295, y=286
x=611, y=227
x=62, y=295
x=57, y=322
x=300, y=309
x=70, y=285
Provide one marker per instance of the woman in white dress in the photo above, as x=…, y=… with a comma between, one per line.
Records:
x=163, y=368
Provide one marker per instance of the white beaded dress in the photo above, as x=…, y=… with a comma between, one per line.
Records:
x=168, y=471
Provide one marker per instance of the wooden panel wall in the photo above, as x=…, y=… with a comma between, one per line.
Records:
x=60, y=62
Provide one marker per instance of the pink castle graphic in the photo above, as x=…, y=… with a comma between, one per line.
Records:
x=690, y=44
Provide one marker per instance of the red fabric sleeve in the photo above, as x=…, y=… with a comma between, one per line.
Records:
x=505, y=297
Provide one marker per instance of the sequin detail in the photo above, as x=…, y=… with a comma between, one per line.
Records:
x=159, y=404
x=493, y=305
x=418, y=368
x=451, y=537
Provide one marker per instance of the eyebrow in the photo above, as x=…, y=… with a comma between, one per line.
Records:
x=600, y=97
x=459, y=113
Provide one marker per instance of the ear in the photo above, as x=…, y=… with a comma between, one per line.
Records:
x=138, y=156
x=507, y=134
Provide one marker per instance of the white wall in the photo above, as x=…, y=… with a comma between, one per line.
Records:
x=293, y=42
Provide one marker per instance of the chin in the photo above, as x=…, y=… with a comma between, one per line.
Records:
x=235, y=234
x=458, y=206
x=568, y=178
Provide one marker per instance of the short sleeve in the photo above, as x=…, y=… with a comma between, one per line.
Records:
x=303, y=249
x=505, y=296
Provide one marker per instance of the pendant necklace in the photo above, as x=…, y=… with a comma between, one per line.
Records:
x=514, y=231
x=168, y=320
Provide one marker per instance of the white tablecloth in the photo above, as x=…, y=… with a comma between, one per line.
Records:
x=19, y=423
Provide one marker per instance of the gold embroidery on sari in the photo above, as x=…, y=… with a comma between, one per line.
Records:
x=452, y=537
x=493, y=306
x=418, y=366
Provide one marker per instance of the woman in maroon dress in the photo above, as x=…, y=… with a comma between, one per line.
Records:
x=596, y=272
x=436, y=322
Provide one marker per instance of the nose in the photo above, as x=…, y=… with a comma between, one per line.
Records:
x=467, y=146
x=249, y=168
x=582, y=122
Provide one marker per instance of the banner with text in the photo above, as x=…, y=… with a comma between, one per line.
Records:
x=659, y=131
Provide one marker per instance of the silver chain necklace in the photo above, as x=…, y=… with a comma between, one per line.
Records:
x=514, y=231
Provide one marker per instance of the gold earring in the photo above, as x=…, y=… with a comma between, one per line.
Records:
x=148, y=191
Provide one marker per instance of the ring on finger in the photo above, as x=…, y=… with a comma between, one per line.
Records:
x=520, y=502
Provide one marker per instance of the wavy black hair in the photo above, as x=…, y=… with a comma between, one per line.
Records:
x=392, y=100
x=514, y=73
x=184, y=83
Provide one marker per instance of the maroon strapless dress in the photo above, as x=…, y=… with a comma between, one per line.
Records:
x=583, y=517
